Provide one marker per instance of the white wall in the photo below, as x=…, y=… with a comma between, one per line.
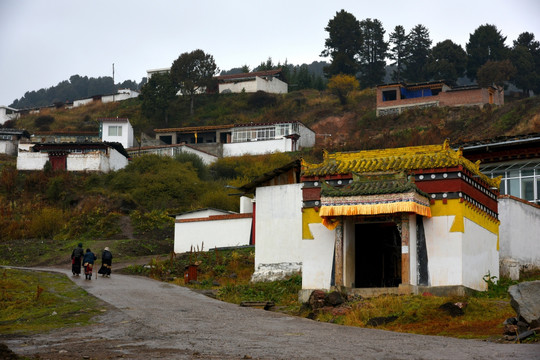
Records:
x=86, y=162
x=272, y=85
x=4, y=116
x=480, y=255
x=204, y=213
x=127, y=133
x=257, y=147
x=278, y=231
x=8, y=147
x=317, y=258
x=123, y=94
x=82, y=102
x=210, y=234
x=31, y=160
x=519, y=232
x=307, y=136
x=444, y=249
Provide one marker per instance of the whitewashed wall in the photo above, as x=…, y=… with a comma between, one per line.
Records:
x=123, y=94
x=519, y=232
x=127, y=133
x=307, y=136
x=8, y=147
x=207, y=235
x=257, y=147
x=480, y=255
x=116, y=160
x=278, y=231
x=272, y=85
x=317, y=258
x=94, y=161
x=31, y=160
x=82, y=102
x=444, y=250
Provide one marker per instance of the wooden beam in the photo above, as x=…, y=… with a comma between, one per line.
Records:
x=338, y=275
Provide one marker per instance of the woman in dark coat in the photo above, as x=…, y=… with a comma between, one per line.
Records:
x=106, y=262
x=88, y=262
x=76, y=260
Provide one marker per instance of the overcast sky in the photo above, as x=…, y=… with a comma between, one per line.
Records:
x=43, y=42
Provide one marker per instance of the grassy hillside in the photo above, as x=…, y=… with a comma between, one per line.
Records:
x=353, y=126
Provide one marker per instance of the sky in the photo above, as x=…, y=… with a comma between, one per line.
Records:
x=44, y=42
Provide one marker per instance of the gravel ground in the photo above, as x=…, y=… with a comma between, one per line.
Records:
x=149, y=319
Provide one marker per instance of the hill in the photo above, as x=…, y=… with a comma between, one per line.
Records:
x=353, y=126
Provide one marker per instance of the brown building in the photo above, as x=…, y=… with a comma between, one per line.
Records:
x=396, y=97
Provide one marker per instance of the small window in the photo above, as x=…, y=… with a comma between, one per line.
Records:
x=389, y=95
x=115, y=131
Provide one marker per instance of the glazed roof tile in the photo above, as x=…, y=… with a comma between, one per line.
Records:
x=392, y=160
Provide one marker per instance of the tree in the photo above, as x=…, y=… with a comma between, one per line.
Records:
x=343, y=44
x=527, y=41
x=398, y=51
x=418, y=50
x=373, y=51
x=525, y=76
x=192, y=73
x=447, y=61
x=156, y=96
x=341, y=85
x=486, y=43
x=495, y=73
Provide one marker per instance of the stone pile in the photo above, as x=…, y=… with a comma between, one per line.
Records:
x=525, y=300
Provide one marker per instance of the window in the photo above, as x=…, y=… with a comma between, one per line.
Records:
x=521, y=180
x=389, y=95
x=115, y=130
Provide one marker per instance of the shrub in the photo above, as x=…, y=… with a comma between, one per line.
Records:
x=261, y=99
x=47, y=223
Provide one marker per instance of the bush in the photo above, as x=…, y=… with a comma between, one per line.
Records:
x=261, y=99
x=47, y=223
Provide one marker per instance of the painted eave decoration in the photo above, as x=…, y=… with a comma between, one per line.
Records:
x=408, y=159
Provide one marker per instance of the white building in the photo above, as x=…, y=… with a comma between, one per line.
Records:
x=7, y=113
x=242, y=139
x=9, y=140
x=121, y=95
x=101, y=157
x=117, y=130
x=270, y=81
x=207, y=229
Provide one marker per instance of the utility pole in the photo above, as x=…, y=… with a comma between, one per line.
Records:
x=113, y=82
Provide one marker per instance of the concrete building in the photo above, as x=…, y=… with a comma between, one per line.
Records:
x=396, y=97
x=117, y=130
x=7, y=113
x=242, y=139
x=270, y=81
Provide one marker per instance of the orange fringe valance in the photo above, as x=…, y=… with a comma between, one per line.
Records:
x=329, y=214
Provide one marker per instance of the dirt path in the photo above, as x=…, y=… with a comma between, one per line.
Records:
x=155, y=320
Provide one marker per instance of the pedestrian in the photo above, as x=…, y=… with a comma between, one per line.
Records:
x=88, y=261
x=76, y=260
x=106, y=262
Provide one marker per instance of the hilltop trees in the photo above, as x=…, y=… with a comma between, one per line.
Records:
x=398, y=51
x=447, y=61
x=418, y=51
x=486, y=43
x=341, y=85
x=192, y=73
x=372, y=53
x=156, y=96
x=343, y=44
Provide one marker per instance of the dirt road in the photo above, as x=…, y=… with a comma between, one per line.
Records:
x=155, y=320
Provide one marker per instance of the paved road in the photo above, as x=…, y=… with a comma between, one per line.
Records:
x=153, y=320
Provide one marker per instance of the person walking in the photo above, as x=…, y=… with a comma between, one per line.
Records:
x=76, y=260
x=88, y=262
x=106, y=262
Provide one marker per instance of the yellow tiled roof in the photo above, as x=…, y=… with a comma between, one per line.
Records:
x=398, y=159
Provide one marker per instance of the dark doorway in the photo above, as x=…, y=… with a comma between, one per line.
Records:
x=58, y=161
x=377, y=255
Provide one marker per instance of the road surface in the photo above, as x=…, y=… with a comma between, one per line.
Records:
x=155, y=320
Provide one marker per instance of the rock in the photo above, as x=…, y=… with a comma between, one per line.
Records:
x=525, y=334
x=335, y=298
x=317, y=299
x=525, y=300
x=522, y=326
x=510, y=268
x=376, y=321
x=452, y=309
x=216, y=283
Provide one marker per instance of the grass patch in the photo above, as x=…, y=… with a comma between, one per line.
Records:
x=33, y=302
